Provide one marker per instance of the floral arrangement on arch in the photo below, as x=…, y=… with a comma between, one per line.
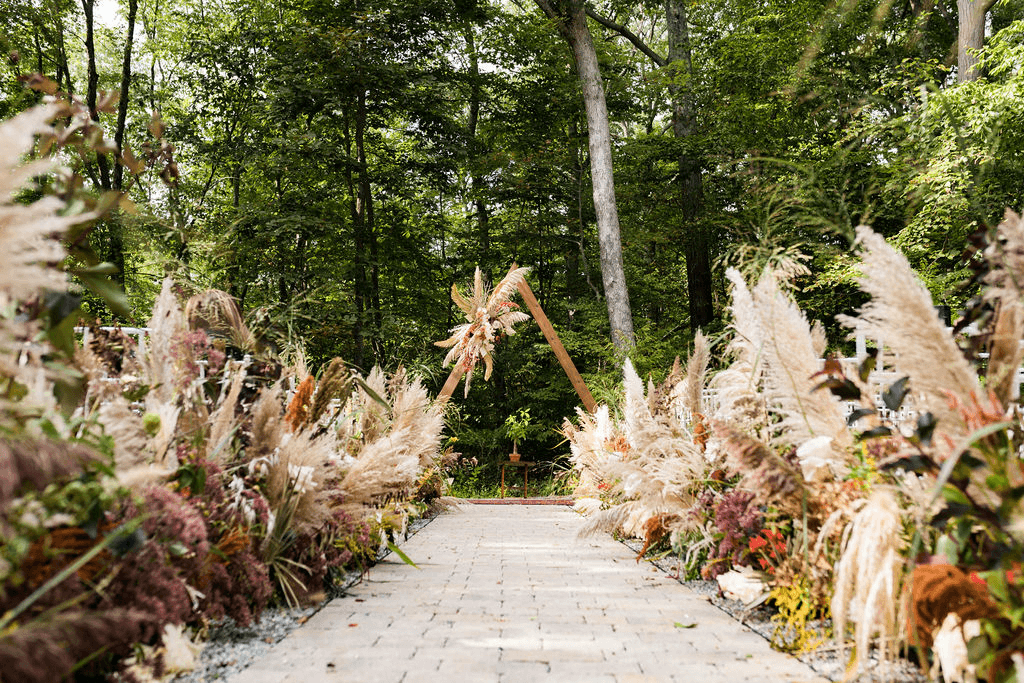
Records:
x=490, y=315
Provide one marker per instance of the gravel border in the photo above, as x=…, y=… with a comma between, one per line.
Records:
x=231, y=648
x=824, y=660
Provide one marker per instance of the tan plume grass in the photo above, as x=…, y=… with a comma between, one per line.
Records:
x=790, y=363
x=489, y=315
x=901, y=313
x=591, y=442
x=738, y=386
x=868, y=577
x=223, y=421
x=1004, y=289
x=165, y=360
x=267, y=427
x=125, y=427
x=30, y=233
x=696, y=371
x=335, y=384
x=658, y=477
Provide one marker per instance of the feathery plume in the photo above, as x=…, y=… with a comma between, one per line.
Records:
x=696, y=369
x=125, y=427
x=216, y=312
x=739, y=384
x=1005, y=291
x=223, y=421
x=30, y=233
x=901, y=313
x=790, y=363
x=335, y=383
x=868, y=576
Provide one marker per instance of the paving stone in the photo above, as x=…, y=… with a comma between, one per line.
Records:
x=509, y=594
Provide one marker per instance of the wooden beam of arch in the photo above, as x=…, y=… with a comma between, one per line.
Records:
x=553, y=341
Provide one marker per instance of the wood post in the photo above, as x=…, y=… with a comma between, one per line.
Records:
x=453, y=381
x=553, y=341
x=556, y=345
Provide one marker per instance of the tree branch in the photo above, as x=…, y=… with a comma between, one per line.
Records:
x=638, y=43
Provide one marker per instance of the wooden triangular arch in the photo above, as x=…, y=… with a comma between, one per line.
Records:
x=553, y=341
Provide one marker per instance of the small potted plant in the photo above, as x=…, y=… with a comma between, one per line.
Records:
x=516, y=425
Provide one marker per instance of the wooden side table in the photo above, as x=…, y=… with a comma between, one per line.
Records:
x=526, y=465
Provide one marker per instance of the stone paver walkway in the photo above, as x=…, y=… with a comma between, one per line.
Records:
x=509, y=593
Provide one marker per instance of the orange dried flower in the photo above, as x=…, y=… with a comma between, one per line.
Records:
x=298, y=409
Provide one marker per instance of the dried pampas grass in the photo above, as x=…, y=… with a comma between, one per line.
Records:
x=216, y=312
x=1004, y=280
x=659, y=476
x=30, y=233
x=790, y=364
x=868, y=577
x=901, y=313
x=738, y=386
x=124, y=426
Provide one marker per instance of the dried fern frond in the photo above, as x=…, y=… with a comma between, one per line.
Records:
x=216, y=312
x=868, y=577
x=335, y=383
x=900, y=312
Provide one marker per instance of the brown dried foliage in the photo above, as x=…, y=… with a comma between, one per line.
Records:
x=49, y=554
x=939, y=589
x=37, y=462
x=298, y=409
x=655, y=529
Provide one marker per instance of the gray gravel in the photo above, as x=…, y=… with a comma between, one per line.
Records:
x=824, y=660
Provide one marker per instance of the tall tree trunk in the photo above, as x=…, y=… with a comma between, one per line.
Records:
x=691, y=187
x=122, y=104
x=571, y=21
x=476, y=186
x=93, y=84
x=359, y=247
x=364, y=207
x=970, y=36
